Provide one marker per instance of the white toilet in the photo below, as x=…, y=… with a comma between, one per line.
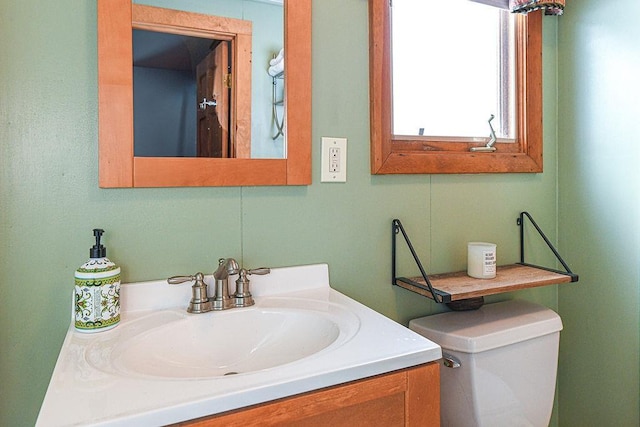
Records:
x=508, y=357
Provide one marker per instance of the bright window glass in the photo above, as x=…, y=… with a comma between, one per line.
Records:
x=453, y=67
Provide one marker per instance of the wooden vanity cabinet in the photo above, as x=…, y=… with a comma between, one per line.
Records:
x=410, y=397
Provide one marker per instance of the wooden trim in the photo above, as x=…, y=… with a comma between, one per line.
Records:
x=532, y=36
x=402, y=155
x=187, y=23
x=412, y=396
x=115, y=97
x=380, y=83
x=298, y=91
x=242, y=96
x=206, y=172
x=115, y=89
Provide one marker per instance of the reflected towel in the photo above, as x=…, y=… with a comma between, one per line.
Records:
x=278, y=58
x=276, y=69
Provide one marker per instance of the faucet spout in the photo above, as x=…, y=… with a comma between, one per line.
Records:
x=221, y=299
x=225, y=268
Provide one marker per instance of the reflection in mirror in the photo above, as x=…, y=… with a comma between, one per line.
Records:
x=266, y=165
x=205, y=102
x=170, y=76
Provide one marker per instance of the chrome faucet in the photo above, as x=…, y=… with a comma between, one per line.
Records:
x=221, y=300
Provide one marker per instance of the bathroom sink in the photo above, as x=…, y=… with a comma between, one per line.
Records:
x=162, y=365
x=172, y=344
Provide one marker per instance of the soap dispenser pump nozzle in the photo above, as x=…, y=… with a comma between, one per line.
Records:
x=98, y=250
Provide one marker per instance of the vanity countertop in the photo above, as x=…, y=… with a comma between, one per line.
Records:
x=82, y=393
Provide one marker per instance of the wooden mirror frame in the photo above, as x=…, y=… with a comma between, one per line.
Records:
x=119, y=168
x=392, y=154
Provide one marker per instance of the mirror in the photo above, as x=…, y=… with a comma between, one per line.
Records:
x=120, y=162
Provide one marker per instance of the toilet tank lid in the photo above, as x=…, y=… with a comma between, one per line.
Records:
x=491, y=326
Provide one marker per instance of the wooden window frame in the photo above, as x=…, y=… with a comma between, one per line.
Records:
x=391, y=154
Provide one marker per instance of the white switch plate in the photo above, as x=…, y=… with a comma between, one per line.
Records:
x=334, y=159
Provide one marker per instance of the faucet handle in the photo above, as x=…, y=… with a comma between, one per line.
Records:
x=199, y=300
x=242, y=297
x=176, y=280
x=260, y=271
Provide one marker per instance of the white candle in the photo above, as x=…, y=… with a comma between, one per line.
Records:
x=481, y=260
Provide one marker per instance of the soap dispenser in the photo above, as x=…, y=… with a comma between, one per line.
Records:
x=97, y=293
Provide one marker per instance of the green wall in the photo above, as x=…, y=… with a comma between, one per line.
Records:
x=50, y=199
x=599, y=212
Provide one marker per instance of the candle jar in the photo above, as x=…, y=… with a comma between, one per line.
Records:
x=481, y=260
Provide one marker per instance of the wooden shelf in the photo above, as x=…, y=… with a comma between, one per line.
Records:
x=458, y=286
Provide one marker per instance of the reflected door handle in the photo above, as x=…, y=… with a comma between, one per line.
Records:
x=207, y=103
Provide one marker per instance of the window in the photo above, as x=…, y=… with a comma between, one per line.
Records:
x=475, y=76
x=441, y=102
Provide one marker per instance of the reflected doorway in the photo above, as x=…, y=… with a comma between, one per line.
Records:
x=214, y=95
x=182, y=96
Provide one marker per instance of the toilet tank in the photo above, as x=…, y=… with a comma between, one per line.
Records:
x=508, y=354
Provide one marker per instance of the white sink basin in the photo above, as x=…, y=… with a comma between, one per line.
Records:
x=162, y=365
x=173, y=344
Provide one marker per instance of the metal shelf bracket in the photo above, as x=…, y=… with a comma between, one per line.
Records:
x=396, y=227
x=520, y=221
